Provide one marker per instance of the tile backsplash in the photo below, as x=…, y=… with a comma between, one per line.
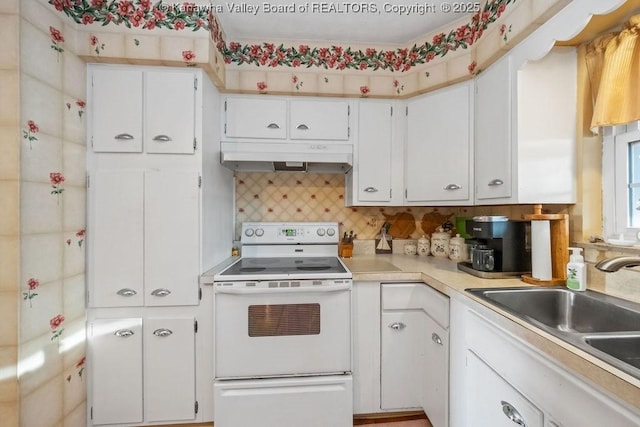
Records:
x=320, y=197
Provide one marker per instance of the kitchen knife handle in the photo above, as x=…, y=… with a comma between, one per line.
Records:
x=273, y=126
x=495, y=182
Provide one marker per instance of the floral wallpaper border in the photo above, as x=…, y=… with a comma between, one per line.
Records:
x=180, y=16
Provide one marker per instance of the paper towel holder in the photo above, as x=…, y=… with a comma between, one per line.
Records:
x=559, y=227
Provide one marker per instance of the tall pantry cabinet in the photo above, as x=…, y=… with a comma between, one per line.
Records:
x=160, y=210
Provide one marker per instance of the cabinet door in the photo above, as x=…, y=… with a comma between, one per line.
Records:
x=116, y=111
x=172, y=238
x=493, y=131
x=169, y=369
x=324, y=120
x=492, y=401
x=115, y=347
x=374, y=152
x=255, y=118
x=438, y=156
x=115, y=239
x=435, y=379
x=169, y=121
x=402, y=335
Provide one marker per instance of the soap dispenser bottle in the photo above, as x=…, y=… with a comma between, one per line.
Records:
x=576, y=271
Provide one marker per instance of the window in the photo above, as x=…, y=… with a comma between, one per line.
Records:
x=621, y=180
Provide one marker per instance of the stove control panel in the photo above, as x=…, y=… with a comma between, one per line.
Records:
x=265, y=233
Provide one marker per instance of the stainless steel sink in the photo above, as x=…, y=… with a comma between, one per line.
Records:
x=603, y=326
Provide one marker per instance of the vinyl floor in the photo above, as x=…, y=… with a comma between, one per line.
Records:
x=414, y=423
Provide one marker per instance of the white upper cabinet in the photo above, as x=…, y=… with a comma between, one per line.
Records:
x=116, y=111
x=493, y=132
x=321, y=120
x=526, y=130
x=280, y=118
x=376, y=176
x=134, y=111
x=439, y=146
x=255, y=118
x=169, y=121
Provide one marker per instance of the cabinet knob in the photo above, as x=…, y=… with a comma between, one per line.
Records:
x=397, y=326
x=161, y=292
x=123, y=137
x=162, y=138
x=126, y=292
x=451, y=187
x=370, y=190
x=436, y=338
x=123, y=333
x=512, y=413
x=273, y=126
x=162, y=332
x=495, y=182
x=302, y=127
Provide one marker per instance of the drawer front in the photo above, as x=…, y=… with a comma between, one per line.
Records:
x=417, y=296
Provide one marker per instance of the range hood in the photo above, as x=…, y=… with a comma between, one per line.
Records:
x=286, y=157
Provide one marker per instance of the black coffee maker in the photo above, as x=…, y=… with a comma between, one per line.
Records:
x=500, y=247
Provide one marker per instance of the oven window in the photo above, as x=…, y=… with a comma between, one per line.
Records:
x=278, y=320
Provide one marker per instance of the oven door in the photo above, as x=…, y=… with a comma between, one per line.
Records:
x=270, y=332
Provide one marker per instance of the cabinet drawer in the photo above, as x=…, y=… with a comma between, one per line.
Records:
x=416, y=296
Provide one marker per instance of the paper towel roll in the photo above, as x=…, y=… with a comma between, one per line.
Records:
x=541, y=250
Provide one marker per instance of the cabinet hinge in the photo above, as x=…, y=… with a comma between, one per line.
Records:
x=195, y=326
x=92, y=141
x=225, y=128
x=200, y=294
x=391, y=110
x=195, y=83
x=196, y=407
x=406, y=110
x=91, y=413
x=390, y=193
x=405, y=193
x=88, y=181
x=195, y=144
x=349, y=132
x=200, y=185
x=348, y=110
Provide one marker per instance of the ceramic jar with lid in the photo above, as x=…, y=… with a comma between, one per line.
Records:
x=457, y=249
x=410, y=249
x=440, y=244
x=424, y=246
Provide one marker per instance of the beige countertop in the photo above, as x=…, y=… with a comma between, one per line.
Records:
x=443, y=275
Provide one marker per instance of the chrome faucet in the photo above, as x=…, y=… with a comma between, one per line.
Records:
x=610, y=265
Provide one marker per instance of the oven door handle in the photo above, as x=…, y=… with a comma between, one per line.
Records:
x=283, y=290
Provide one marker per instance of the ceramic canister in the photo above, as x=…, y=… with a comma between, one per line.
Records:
x=440, y=244
x=424, y=246
x=457, y=249
x=410, y=249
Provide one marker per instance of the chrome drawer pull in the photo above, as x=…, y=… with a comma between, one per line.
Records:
x=370, y=190
x=273, y=126
x=126, y=292
x=123, y=333
x=452, y=187
x=512, y=413
x=495, y=182
x=302, y=127
x=162, y=332
x=397, y=326
x=123, y=137
x=162, y=292
x=436, y=339
x=162, y=138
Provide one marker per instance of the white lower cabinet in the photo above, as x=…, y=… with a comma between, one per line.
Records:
x=499, y=380
x=143, y=370
x=401, y=356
